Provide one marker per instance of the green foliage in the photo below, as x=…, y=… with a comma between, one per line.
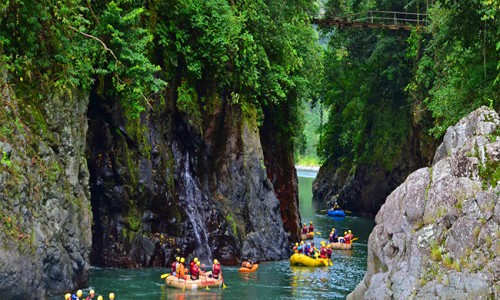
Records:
x=66, y=45
x=363, y=89
x=5, y=159
x=457, y=71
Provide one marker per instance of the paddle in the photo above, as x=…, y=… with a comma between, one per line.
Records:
x=354, y=239
x=163, y=276
x=206, y=280
x=317, y=232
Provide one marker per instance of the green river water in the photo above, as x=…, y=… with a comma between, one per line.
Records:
x=273, y=280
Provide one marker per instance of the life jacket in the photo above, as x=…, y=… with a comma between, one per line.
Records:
x=323, y=252
x=331, y=238
x=216, y=270
x=177, y=266
x=195, y=272
x=329, y=252
x=174, y=267
x=311, y=228
x=182, y=272
x=300, y=249
x=304, y=230
x=248, y=264
x=192, y=266
x=307, y=249
x=347, y=239
x=295, y=249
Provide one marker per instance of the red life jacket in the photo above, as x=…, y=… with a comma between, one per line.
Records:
x=216, y=270
x=195, y=271
x=304, y=230
x=174, y=267
x=311, y=228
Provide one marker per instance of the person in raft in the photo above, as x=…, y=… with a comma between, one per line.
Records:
x=192, y=265
x=301, y=248
x=311, y=227
x=304, y=228
x=322, y=250
x=195, y=270
x=247, y=264
x=77, y=296
x=181, y=273
x=216, y=271
x=336, y=207
x=175, y=266
x=91, y=295
x=347, y=238
x=351, y=236
x=296, y=248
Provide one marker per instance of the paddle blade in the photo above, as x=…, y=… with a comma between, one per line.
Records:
x=224, y=286
x=207, y=288
x=163, y=276
x=354, y=239
x=317, y=232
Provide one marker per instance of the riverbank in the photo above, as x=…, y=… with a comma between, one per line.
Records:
x=307, y=168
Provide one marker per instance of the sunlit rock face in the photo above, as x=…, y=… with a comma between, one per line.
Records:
x=438, y=234
x=45, y=216
x=174, y=183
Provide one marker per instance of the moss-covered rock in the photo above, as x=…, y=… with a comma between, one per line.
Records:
x=437, y=235
x=44, y=209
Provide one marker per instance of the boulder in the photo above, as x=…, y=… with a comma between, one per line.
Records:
x=438, y=234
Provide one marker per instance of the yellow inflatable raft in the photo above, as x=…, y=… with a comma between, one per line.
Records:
x=193, y=285
x=299, y=259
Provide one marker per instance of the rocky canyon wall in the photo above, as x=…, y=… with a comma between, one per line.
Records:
x=45, y=215
x=176, y=183
x=438, y=234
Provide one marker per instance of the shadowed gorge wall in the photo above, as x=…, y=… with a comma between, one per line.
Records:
x=161, y=186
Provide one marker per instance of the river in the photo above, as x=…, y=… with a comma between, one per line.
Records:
x=273, y=280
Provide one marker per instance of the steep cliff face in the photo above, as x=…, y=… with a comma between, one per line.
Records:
x=45, y=216
x=363, y=188
x=438, y=234
x=281, y=171
x=175, y=183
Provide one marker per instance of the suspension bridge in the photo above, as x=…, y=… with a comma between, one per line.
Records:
x=392, y=20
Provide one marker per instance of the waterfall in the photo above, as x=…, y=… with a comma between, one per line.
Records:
x=193, y=200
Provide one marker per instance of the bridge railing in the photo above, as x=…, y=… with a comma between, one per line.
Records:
x=376, y=19
x=388, y=17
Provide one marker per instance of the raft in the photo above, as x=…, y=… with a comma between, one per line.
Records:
x=194, y=285
x=308, y=236
x=246, y=270
x=299, y=259
x=340, y=246
x=335, y=213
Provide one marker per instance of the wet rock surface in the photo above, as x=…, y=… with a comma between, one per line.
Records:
x=45, y=216
x=170, y=184
x=438, y=234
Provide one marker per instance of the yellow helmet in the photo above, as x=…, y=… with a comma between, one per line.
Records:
x=67, y=296
x=349, y=231
x=91, y=292
x=304, y=224
x=100, y=297
x=345, y=232
x=79, y=293
x=302, y=242
x=195, y=259
x=310, y=222
x=296, y=244
x=328, y=246
x=182, y=260
x=216, y=261
x=198, y=263
x=112, y=295
x=177, y=258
